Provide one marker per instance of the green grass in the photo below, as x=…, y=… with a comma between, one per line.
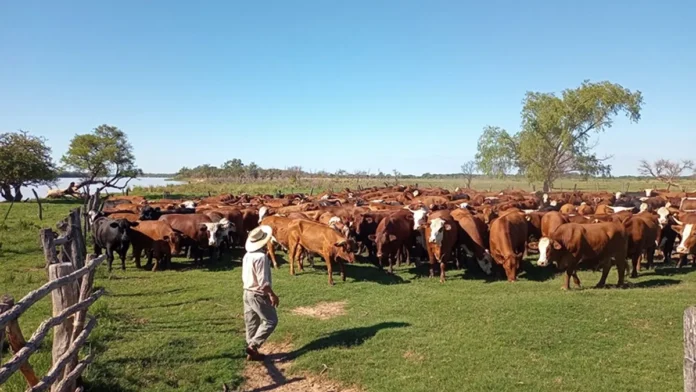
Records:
x=317, y=185
x=182, y=330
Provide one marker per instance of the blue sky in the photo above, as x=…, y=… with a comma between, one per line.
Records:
x=328, y=85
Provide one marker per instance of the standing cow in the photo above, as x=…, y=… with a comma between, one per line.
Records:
x=112, y=236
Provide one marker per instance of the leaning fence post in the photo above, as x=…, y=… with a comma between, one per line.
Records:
x=16, y=340
x=49, y=248
x=79, y=323
x=690, y=349
x=63, y=298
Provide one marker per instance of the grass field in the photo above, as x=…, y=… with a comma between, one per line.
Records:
x=182, y=330
x=317, y=185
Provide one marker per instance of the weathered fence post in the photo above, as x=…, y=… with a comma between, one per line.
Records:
x=38, y=201
x=49, y=247
x=63, y=298
x=79, y=322
x=690, y=349
x=76, y=248
x=16, y=340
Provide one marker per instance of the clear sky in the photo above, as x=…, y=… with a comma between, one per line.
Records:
x=338, y=84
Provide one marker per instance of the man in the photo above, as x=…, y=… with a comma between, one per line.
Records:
x=260, y=301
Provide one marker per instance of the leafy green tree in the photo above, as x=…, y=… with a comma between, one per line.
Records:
x=25, y=160
x=233, y=168
x=556, y=135
x=252, y=170
x=105, y=156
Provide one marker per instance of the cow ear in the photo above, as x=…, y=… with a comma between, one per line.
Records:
x=133, y=224
x=372, y=237
x=448, y=227
x=392, y=237
x=114, y=224
x=203, y=227
x=557, y=245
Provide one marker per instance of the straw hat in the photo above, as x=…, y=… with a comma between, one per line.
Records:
x=258, y=238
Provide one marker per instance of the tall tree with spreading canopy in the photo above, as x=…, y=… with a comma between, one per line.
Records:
x=556, y=134
x=25, y=160
x=105, y=157
x=665, y=171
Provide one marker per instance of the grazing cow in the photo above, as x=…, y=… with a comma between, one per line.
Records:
x=508, y=237
x=156, y=238
x=198, y=231
x=472, y=236
x=111, y=235
x=440, y=233
x=572, y=243
x=316, y=238
x=393, y=233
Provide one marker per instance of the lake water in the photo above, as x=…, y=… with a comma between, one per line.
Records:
x=64, y=182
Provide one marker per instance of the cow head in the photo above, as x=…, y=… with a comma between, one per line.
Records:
x=548, y=249
x=438, y=226
x=488, y=215
x=381, y=240
x=94, y=215
x=189, y=204
x=123, y=227
x=663, y=216
x=149, y=213
x=344, y=250
x=419, y=217
x=174, y=241
x=262, y=213
x=362, y=223
x=215, y=233
x=688, y=237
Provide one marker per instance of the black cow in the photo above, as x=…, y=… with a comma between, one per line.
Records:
x=149, y=213
x=111, y=235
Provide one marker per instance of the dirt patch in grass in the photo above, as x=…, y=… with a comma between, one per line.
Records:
x=272, y=374
x=413, y=356
x=322, y=310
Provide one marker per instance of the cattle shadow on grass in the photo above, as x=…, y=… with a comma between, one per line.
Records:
x=370, y=273
x=346, y=338
x=654, y=283
x=537, y=274
x=669, y=271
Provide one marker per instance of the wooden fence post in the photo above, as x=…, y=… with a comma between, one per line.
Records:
x=63, y=298
x=16, y=340
x=49, y=248
x=76, y=247
x=79, y=322
x=690, y=349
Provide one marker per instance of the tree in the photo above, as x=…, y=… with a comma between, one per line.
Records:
x=252, y=170
x=469, y=169
x=556, y=135
x=233, y=168
x=105, y=156
x=665, y=170
x=25, y=160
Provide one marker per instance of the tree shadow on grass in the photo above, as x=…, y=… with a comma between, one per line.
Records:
x=346, y=338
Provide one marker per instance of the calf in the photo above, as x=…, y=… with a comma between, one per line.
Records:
x=441, y=235
x=508, y=241
x=316, y=238
x=156, y=238
x=572, y=243
x=111, y=235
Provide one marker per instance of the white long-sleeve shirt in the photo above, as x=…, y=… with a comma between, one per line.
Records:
x=256, y=271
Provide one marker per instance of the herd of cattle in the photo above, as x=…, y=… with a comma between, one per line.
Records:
x=484, y=231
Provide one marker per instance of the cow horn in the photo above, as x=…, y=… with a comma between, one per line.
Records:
x=678, y=221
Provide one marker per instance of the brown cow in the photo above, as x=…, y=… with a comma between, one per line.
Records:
x=316, y=238
x=198, y=230
x=572, y=243
x=133, y=208
x=643, y=230
x=585, y=209
x=686, y=227
x=393, y=233
x=156, y=238
x=508, y=241
x=440, y=233
x=280, y=226
x=473, y=235
x=129, y=216
x=567, y=209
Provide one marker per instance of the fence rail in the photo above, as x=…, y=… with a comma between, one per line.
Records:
x=70, y=285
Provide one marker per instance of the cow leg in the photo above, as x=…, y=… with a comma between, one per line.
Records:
x=576, y=280
x=122, y=256
x=621, y=271
x=137, y=250
x=110, y=257
x=566, y=279
x=432, y=266
x=605, y=272
x=442, y=272
x=343, y=270
x=150, y=254
x=97, y=249
x=636, y=265
x=651, y=257
x=271, y=254
x=292, y=252
x=329, y=270
x=682, y=261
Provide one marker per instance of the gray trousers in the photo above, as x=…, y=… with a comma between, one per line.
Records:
x=260, y=318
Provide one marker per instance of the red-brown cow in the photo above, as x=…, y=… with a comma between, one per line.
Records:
x=508, y=240
x=158, y=240
x=572, y=243
x=440, y=234
x=392, y=235
x=316, y=238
